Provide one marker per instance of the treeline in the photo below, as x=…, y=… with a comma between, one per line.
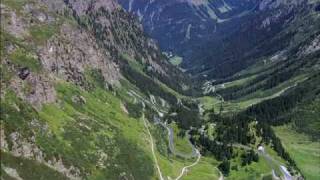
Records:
x=238, y=91
x=185, y=114
x=268, y=136
x=134, y=110
x=306, y=117
x=229, y=130
x=233, y=129
x=240, y=128
x=283, y=71
x=146, y=84
x=248, y=157
x=176, y=80
x=272, y=110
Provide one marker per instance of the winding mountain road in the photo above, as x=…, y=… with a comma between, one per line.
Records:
x=152, y=148
x=195, y=151
x=193, y=154
x=185, y=169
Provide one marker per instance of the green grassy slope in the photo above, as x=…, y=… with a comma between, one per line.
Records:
x=180, y=140
x=79, y=133
x=303, y=150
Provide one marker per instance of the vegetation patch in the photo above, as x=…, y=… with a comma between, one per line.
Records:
x=206, y=169
x=176, y=60
x=29, y=169
x=95, y=135
x=306, y=118
x=15, y=4
x=41, y=33
x=16, y=115
x=302, y=149
x=23, y=58
x=180, y=139
x=95, y=78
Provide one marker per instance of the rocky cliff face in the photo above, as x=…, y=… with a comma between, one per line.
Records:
x=122, y=34
x=71, y=37
x=69, y=54
x=57, y=47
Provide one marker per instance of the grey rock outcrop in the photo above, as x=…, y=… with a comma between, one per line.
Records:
x=35, y=89
x=74, y=51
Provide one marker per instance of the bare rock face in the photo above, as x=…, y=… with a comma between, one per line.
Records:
x=21, y=148
x=35, y=89
x=312, y=47
x=287, y=7
x=272, y=4
x=42, y=90
x=55, y=6
x=74, y=51
x=13, y=24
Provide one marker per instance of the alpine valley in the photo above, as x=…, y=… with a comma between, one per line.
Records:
x=160, y=90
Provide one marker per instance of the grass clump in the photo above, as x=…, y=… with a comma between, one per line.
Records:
x=22, y=58
x=41, y=33
x=15, y=4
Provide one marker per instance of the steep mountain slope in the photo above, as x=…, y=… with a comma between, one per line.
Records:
x=219, y=38
x=282, y=91
x=178, y=23
x=73, y=75
x=271, y=29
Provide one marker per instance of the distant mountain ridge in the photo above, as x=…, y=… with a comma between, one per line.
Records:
x=175, y=23
x=208, y=34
